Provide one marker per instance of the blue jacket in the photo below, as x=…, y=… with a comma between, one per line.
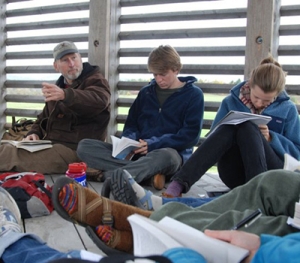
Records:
x=177, y=124
x=278, y=249
x=284, y=126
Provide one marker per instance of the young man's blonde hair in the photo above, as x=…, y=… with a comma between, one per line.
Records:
x=269, y=76
x=162, y=59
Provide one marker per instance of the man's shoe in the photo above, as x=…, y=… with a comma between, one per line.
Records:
x=122, y=191
x=10, y=217
x=158, y=181
x=94, y=175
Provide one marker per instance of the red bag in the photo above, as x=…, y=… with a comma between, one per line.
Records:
x=30, y=191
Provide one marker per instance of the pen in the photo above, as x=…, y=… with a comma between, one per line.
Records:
x=247, y=221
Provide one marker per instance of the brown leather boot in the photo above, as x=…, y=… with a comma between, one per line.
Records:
x=94, y=175
x=158, y=181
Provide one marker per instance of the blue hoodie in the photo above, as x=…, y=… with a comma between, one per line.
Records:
x=284, y=126
x=177, y=124
x=278, y=249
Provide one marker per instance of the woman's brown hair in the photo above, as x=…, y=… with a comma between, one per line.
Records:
x=269, y=76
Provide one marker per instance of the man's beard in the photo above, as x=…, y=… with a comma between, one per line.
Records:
x=74, y=75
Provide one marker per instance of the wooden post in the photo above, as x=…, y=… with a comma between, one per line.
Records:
x=3, y=36
x=275, y=44
x=259, y=33
x=104, y=28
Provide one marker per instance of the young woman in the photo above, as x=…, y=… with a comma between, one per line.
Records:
x=242, y=151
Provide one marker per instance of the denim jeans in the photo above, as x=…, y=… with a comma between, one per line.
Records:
x=98, y=155
x=189, y=201
x=30, y=250
x=240, y=151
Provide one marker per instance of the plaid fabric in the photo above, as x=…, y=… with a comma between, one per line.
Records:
x=245, y=98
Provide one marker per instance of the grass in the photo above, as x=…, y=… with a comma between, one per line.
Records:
x=121, y=110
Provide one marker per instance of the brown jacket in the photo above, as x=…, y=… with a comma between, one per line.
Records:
x=84, y=113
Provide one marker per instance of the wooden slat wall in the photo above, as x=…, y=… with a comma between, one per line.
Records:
x=22, y=41
x=2, y=68
x=104, y=41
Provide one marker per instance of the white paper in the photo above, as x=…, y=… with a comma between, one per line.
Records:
x=237, y=117
x=151, y=237
x=30, y=146
x=122, y=147
x=290, y=163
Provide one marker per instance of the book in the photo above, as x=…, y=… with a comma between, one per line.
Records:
x=291, y=164
x=151, y=237
x=237, y=117
x=123, y=147
x=30, y=146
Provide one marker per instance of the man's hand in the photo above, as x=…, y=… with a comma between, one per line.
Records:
x=264, y=129
x=31, y=137
x=52, y=92
x=142, y=148
x=241, y=239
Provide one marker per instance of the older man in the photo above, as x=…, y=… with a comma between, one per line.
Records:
x=77, y=107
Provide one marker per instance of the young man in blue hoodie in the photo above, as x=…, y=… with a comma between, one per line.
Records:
x=165, y=118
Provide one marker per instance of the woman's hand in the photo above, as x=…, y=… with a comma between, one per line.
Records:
x=264, y=129
x=241, y=239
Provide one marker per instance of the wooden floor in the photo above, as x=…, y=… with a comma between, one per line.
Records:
x=64, y=236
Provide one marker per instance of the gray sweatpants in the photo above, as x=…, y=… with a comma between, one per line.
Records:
x=274, y=192
x=98, y=155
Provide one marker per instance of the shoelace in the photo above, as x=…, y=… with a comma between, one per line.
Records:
x=6, y=223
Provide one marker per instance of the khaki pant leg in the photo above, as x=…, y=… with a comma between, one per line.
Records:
x=48, y=161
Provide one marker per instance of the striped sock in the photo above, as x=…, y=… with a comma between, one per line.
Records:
x=105, y=233
x=120, y=240
x=68, y=198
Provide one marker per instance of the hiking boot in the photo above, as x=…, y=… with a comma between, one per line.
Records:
x=10, y=217
x=158, y=181
x=94, y=175
x=119, y=187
